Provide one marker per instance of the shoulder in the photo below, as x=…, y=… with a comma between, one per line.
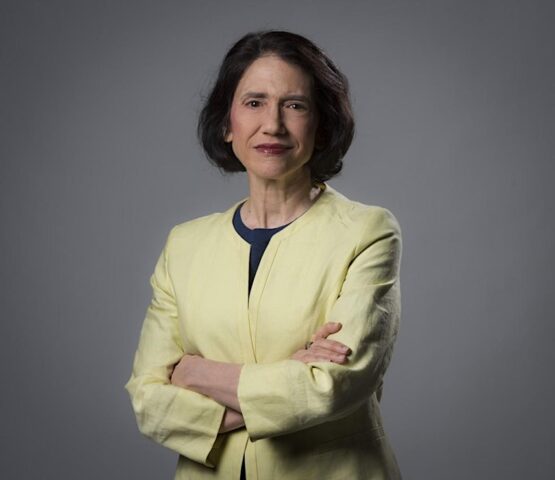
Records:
x=196, y=227
x=199, y=231
x=372, y=231
x=368, y=222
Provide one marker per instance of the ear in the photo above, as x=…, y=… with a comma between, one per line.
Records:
x=228, y=136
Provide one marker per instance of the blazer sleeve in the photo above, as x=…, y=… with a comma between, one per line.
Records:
x=287, y=396
x=179, y=419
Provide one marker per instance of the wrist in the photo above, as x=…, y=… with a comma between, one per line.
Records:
x=196, y=373
x=232, y=420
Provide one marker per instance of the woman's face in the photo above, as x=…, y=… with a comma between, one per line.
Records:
x=273, y=120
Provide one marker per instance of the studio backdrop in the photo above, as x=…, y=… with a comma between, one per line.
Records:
x=454, y=104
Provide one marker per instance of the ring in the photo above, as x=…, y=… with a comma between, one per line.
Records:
x=307, y=345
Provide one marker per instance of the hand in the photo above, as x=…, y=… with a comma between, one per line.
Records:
x=321, y=349
x=231, y=421
x=184, y=370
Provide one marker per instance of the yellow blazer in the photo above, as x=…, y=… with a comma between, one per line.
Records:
x=338, y=262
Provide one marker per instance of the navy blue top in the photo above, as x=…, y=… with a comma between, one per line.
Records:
x=258, y=239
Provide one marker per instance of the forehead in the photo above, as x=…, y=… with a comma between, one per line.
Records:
x=272, y=75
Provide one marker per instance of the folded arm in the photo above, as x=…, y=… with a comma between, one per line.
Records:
x=180, y=419
x=219, y=380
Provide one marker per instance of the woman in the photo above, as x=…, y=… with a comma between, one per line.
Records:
x=271, y=325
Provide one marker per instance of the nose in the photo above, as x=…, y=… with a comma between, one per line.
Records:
x=273, y=121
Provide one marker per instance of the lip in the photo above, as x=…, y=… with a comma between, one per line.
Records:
x=272, y=148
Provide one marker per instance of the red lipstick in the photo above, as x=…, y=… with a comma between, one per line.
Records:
x=272, y=148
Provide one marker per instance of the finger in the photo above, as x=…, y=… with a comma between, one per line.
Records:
x=326, y=329
x=316, y=357
x=307, y=356
x=333, y=346
x=328, y=355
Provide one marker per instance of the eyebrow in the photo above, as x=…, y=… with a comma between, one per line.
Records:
x=301, y=98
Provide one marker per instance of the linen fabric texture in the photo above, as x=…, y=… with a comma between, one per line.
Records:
x=338, y=262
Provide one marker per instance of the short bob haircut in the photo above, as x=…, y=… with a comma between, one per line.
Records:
x=331, y=93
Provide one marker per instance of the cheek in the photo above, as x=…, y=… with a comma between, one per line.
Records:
x=237, y=122
x=232, y=118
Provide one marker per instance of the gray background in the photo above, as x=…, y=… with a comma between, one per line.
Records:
x=455, y=110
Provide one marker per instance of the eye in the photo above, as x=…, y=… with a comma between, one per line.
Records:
x=296, y=106
x=253, y=103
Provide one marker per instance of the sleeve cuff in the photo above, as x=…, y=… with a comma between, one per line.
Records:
x=262, y=405
x=202, y=444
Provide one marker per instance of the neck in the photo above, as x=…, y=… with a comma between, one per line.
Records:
x=275, y=203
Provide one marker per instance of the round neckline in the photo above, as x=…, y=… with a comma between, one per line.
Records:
x=323, y=198
x=260, y=229
x=254, y=236
x=322, y=187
